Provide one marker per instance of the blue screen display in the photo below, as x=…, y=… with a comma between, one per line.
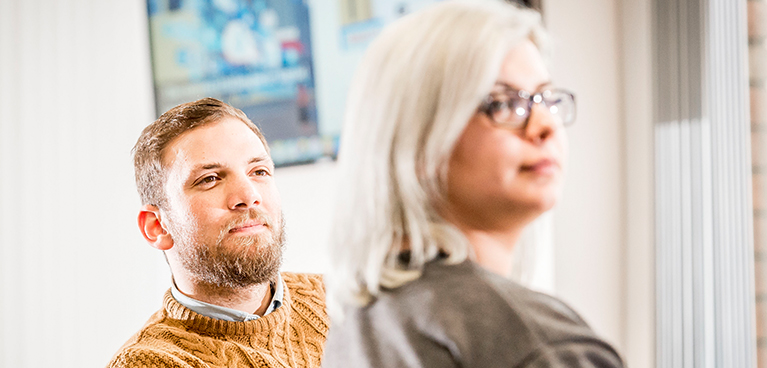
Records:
x=253, y=54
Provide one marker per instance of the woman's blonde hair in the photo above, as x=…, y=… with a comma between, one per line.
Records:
x=417, y=87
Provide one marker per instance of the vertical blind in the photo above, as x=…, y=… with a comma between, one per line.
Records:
x=704, y=235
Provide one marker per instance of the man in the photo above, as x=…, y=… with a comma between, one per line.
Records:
x=206, y=182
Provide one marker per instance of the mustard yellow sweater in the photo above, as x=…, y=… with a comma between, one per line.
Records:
x=291, y=336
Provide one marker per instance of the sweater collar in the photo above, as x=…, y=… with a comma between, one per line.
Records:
x=224, y=313
x=193, y=320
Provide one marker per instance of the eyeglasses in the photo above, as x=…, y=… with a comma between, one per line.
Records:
x=511, y=108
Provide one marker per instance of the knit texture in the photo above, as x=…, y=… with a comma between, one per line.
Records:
x=291, y=336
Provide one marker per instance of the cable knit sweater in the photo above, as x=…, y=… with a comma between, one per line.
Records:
x=291, y=336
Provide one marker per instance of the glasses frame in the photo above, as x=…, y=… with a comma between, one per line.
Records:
x=536, y=98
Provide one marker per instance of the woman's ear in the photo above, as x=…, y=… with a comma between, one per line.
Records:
x=150, y=224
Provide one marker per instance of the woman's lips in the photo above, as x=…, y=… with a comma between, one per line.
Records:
x=541, y=167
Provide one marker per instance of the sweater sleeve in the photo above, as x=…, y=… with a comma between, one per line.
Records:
x=147, y=358
x=574, y=355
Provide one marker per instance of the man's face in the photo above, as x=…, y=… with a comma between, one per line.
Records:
x=223, y=207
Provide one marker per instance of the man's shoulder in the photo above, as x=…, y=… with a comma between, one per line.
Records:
x=149, y=347
x=307, y=294
x=301, y=277
x=146, y=356
x=193, y=351
x=305, y=284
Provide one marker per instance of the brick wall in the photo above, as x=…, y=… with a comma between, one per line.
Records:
x=757, y=41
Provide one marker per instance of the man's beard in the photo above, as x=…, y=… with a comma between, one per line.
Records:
x=232, y=262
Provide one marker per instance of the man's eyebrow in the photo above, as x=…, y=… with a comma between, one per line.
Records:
x=217, y=165
x=259, y=159
x=192, y=174
x=212, y=165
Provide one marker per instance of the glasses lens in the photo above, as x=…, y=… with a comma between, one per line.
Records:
x=499, y=110
x=510, y=111
x=562, y=105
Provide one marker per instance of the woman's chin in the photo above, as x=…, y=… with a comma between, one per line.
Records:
x=543, y=202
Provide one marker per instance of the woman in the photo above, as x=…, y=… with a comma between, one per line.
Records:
x=453, y=144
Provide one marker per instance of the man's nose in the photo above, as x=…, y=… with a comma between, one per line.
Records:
x=243, y=193
x=542, y=124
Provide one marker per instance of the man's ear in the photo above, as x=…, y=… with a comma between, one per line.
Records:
x=150, y=224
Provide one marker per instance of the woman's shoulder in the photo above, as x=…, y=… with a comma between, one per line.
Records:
x=463, y=314
x=478, y=306
x=480, y=293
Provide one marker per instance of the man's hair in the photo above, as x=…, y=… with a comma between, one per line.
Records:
x=416, y=89
x=148, y=151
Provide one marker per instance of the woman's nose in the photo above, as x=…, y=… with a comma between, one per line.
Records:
x=542, y=124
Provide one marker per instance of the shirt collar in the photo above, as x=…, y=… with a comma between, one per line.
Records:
x=224, y=313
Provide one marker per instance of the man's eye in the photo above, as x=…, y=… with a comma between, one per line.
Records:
x=208, y=180
x=261, y=172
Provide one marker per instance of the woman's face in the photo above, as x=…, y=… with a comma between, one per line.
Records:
x=500, y=176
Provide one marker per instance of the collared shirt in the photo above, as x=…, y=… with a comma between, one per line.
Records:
x=224, y=313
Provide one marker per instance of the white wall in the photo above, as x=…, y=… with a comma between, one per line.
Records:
x=604, y=240
x=589, y=221
x=637, y=73
x=76, y=279
x=75, y=276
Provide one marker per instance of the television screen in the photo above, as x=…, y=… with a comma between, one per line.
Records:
x=253, y=54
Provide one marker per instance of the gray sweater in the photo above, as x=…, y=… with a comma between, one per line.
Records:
x=464, y=316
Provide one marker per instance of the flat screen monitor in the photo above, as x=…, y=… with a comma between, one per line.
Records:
x=253, y=54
